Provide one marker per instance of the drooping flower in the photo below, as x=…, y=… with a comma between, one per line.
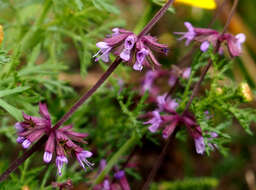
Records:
x=154, y=122
x=189, y=35
x=61, y=141
x=167, y=118
x=166, y=103
x=130, y=48
x=207, y=36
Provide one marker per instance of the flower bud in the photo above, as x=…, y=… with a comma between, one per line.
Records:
x=245, y=92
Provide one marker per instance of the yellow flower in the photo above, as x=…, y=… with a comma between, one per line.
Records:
x=205, y=4
x=1, y=34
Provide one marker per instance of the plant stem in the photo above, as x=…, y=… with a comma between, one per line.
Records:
x=88, y=94
x=149, y=12
x=20, y=160
x=155, y=19
x=115, y=158
x=159, y=161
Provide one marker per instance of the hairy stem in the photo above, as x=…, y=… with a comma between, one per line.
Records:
x=145, y=18
x=159, y=161
x=20, y=160
x=88, y=94
x=155, y=19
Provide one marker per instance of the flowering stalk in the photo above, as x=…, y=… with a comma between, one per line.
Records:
x=194, y=92
x=88, y=94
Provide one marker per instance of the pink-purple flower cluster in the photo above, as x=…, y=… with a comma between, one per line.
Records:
x=61, y=141
x=207, y=36
x=130, y=48
x=167, y=118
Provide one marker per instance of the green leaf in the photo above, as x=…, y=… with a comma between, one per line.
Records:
x=16, y=113
x=13, y=91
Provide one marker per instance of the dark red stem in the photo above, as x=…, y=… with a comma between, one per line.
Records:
x=88, y=94
x=155, y=19
x=20, y=160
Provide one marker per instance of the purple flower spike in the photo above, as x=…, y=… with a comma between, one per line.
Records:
x=26, y=143
x=128, y=45
x=155, y=122
x=60, y=160
x=200, y=146
x=189, y=36
x=47, y=157
x=204, y=46
x=81, y=157
x=140, y=57
x=61, y=141
x=209, y=36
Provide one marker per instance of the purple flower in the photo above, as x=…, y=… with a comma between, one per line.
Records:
x=26, y=143
x=204, y=46
x=60, y=161
x=120, y=175
x=189, y=35
x=186, y=73
x=209, y=36
x=172, y=80
x=140, y=57
x=82, y=158
x=47, y=157
x=166, y=103
x=149, y=79
x=235, y=44
x=155, y=121
x=213, y=135
x=169, y=129
x=59, y=140
x=200, y=146
x=171, y=119
x=103, y=52
x=126, y=44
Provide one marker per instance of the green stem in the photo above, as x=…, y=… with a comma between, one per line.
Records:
x=116, y=157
